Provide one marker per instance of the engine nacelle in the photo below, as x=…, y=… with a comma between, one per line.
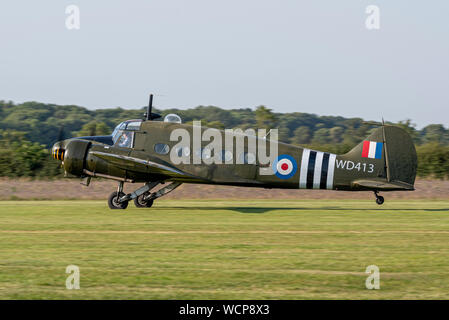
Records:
x=75, y=156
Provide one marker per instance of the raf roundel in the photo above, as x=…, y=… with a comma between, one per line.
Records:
x=285, y=166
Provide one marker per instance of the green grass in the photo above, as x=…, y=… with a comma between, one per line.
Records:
x=225, y=249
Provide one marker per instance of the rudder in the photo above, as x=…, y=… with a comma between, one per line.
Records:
x=392, y=150
x=402, y=161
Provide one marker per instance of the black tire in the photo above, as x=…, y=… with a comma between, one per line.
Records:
x=380, y=200
x=140, y=203
x=112, y=201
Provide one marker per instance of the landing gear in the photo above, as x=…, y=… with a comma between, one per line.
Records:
x=142, y=197
x=140, y=201
x=114, y=201
x=379, y=199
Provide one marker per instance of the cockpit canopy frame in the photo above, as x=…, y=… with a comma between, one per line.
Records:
x=123, y=134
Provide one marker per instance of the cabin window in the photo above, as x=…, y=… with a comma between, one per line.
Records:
x=182, y=151
x=161, y=148
x=203, y=153
x=226, y=156
x=178, y=152
x=199, y=153
x=206, y=153
x=248, y=158
x=126, y=140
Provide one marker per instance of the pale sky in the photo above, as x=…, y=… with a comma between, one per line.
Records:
x=292, y=56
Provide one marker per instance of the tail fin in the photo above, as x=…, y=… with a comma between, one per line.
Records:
x=394, y=152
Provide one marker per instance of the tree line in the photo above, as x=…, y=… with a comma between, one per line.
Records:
x=28, y=130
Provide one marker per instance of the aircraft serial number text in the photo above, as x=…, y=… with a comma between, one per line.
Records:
x=359, y=166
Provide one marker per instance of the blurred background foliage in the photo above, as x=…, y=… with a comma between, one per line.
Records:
x=28, y=130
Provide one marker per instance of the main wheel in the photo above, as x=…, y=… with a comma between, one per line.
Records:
x=113, y=201
x=380, y=200
x=139, y=202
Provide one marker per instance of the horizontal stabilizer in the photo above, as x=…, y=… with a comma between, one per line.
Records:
x=383, y=185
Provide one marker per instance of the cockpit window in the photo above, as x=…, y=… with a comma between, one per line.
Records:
x=115, y=132
x=135, y=125
x=125, y=140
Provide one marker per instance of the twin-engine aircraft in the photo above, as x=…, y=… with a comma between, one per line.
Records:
x=143, y=151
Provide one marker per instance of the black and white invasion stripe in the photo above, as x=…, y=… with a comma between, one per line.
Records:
x=317, y=170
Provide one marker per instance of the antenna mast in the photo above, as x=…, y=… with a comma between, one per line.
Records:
x=150, y=107
x=150, y=115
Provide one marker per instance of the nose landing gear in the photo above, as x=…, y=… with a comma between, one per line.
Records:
x=379, y=199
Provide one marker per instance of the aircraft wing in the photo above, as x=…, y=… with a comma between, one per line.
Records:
x=383, y=185
x=140, y=165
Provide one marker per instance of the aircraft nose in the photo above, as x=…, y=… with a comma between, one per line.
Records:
x=58, y=151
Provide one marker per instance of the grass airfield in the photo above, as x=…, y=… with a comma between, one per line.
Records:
x=225, y=249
